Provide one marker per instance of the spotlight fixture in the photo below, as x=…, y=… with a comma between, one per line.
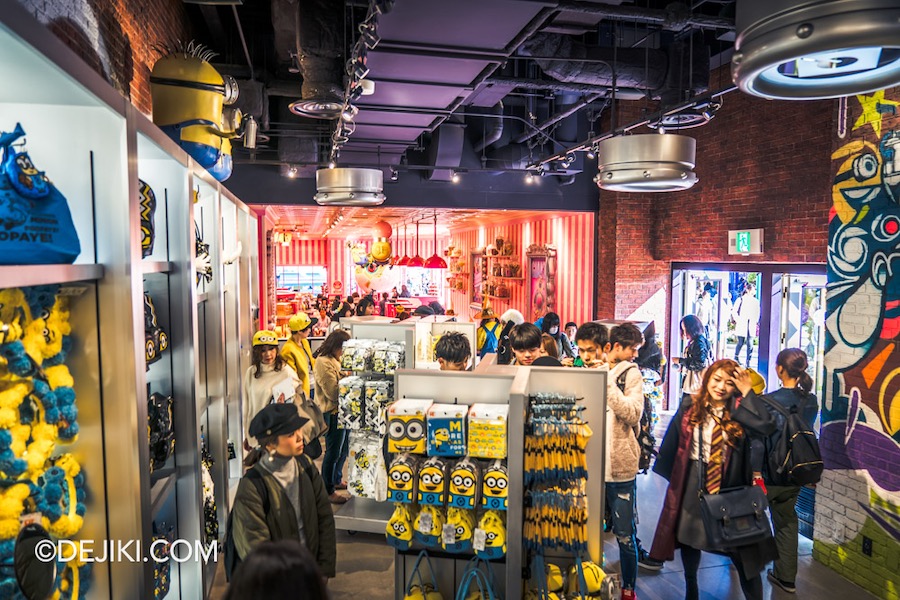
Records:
x=382, y=7
x=807, y=50
x=647, y=163
x=455, y=177
x=369, y=34
x=394, y=175
x=251, y=129
x=349, y=113
x=331, y=164
x=592, y=151
x=292, y=171
x=529, y=178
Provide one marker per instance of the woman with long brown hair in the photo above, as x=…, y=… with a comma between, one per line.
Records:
x=709, y=421
x=327, y=373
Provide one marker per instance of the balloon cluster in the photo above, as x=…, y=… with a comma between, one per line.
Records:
x=379, y=254
x=37, y=411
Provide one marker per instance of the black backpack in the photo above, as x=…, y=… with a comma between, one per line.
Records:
x=646, y=441
x=795, y=459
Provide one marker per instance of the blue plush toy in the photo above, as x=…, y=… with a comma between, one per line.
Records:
x=17, y=360
x=11, y=466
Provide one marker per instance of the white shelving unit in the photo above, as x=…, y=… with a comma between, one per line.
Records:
x=95, y=146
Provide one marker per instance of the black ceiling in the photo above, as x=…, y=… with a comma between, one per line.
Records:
x=442, y=69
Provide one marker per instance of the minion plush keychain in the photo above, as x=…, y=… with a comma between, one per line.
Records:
x=432, y=482
x=402, y=478
x=495, y=486
x=399, y=530
x=464, y=478
x=489, y=538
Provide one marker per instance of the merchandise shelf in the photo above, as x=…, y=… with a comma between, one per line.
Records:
x=496, y=297
x=27, y=275
x=156, y=266
x=502, y=257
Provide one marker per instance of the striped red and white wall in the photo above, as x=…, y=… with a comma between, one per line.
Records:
x=573, y=236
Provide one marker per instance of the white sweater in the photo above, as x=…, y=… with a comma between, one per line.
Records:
x=257, y=393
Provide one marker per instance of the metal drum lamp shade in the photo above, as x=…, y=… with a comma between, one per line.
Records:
x=349, y=187
x=803, y=50
x=646, y=163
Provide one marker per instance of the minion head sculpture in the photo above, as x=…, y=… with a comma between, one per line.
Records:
x=189, y=96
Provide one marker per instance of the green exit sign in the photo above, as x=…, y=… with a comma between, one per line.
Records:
x=742, y=242
x=745, y=241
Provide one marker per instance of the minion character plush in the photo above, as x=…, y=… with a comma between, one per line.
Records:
x=432, y=482
x=463, y=484
x=493, y=545
x=402, y=479
x=429, y=525
x=406, y=426
x=463, y=528
x=189, y=96
x=399, y=530
x=495, y=486
x=596, y=583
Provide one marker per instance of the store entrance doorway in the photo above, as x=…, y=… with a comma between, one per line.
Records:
x=750, y=312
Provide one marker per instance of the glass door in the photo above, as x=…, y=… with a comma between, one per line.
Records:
x=802, y=323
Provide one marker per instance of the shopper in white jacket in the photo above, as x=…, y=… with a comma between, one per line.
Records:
x=268, y=379
x=624, y=405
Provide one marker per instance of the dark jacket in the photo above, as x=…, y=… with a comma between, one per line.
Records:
x=253, y=525
x=673, y=463
x=789, y=398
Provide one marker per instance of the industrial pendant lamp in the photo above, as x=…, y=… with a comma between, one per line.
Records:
x=404, y=262
x=647, y=163
x=802, y=50
x=349, y=187
x=416, y=261
x=434, y=261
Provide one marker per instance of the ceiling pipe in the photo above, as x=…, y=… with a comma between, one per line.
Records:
x=570, y=110
x=240, y=29
x=496, y=130
x=677, y=17
x=654, y=118
x=559, y=86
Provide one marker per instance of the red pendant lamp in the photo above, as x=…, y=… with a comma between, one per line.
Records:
x=403, y=262
x=434, y=261
x=416, y=261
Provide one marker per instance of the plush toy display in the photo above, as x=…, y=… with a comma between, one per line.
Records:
x=38, y=410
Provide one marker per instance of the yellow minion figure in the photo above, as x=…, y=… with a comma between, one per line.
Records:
x=406, y=433
x=463, y=484
x=189, y=96
x=493, y=545
x=596, y=583
x=401, y=479
x=463, y=523
x=432, y=483
x=495, y=487
x=399, y=529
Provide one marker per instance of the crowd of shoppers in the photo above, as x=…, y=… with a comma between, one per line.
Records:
x=718, y=438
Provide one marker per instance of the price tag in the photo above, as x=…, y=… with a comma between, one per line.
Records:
x=479, y=538
x=426, y=522
x=448, y=534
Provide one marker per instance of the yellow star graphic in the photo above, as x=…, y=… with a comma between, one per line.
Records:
x=870, y=113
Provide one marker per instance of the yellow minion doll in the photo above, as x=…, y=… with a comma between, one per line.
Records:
x=432, y=482
x=495, y=486
x=402, y=479
x=188, y=105
x=463, y=484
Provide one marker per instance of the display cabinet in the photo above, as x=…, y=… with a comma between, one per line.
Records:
x=99, y=151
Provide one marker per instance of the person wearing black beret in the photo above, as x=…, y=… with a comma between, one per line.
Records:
x=283, y=495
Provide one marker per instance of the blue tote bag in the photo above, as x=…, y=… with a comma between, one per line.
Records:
x=35, y=223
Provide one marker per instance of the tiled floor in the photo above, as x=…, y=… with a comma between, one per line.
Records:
x=366, y=567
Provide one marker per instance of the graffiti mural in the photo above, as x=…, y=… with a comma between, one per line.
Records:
x=860, y=433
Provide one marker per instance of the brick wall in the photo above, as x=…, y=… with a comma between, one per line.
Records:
x=858, y=500
x=116, y=38
x=760, y=164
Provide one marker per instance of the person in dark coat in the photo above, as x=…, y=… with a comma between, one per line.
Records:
x=295, y=504
x=717, y=406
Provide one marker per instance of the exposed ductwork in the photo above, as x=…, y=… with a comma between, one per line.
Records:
x=675, y=17
x=662, y=73
x=496, y=130
x=308, y=37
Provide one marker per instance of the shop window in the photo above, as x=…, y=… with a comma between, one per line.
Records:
x=301, y=279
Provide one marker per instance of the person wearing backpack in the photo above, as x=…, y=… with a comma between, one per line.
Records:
x=282, y=496
x=488, y=334
x=782, y=490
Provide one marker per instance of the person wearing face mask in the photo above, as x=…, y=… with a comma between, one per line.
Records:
x=283, y=497
x=708, y=422
x=550, y=326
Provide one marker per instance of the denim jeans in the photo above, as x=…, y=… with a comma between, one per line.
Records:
x=620, y=496
x=337, y=446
